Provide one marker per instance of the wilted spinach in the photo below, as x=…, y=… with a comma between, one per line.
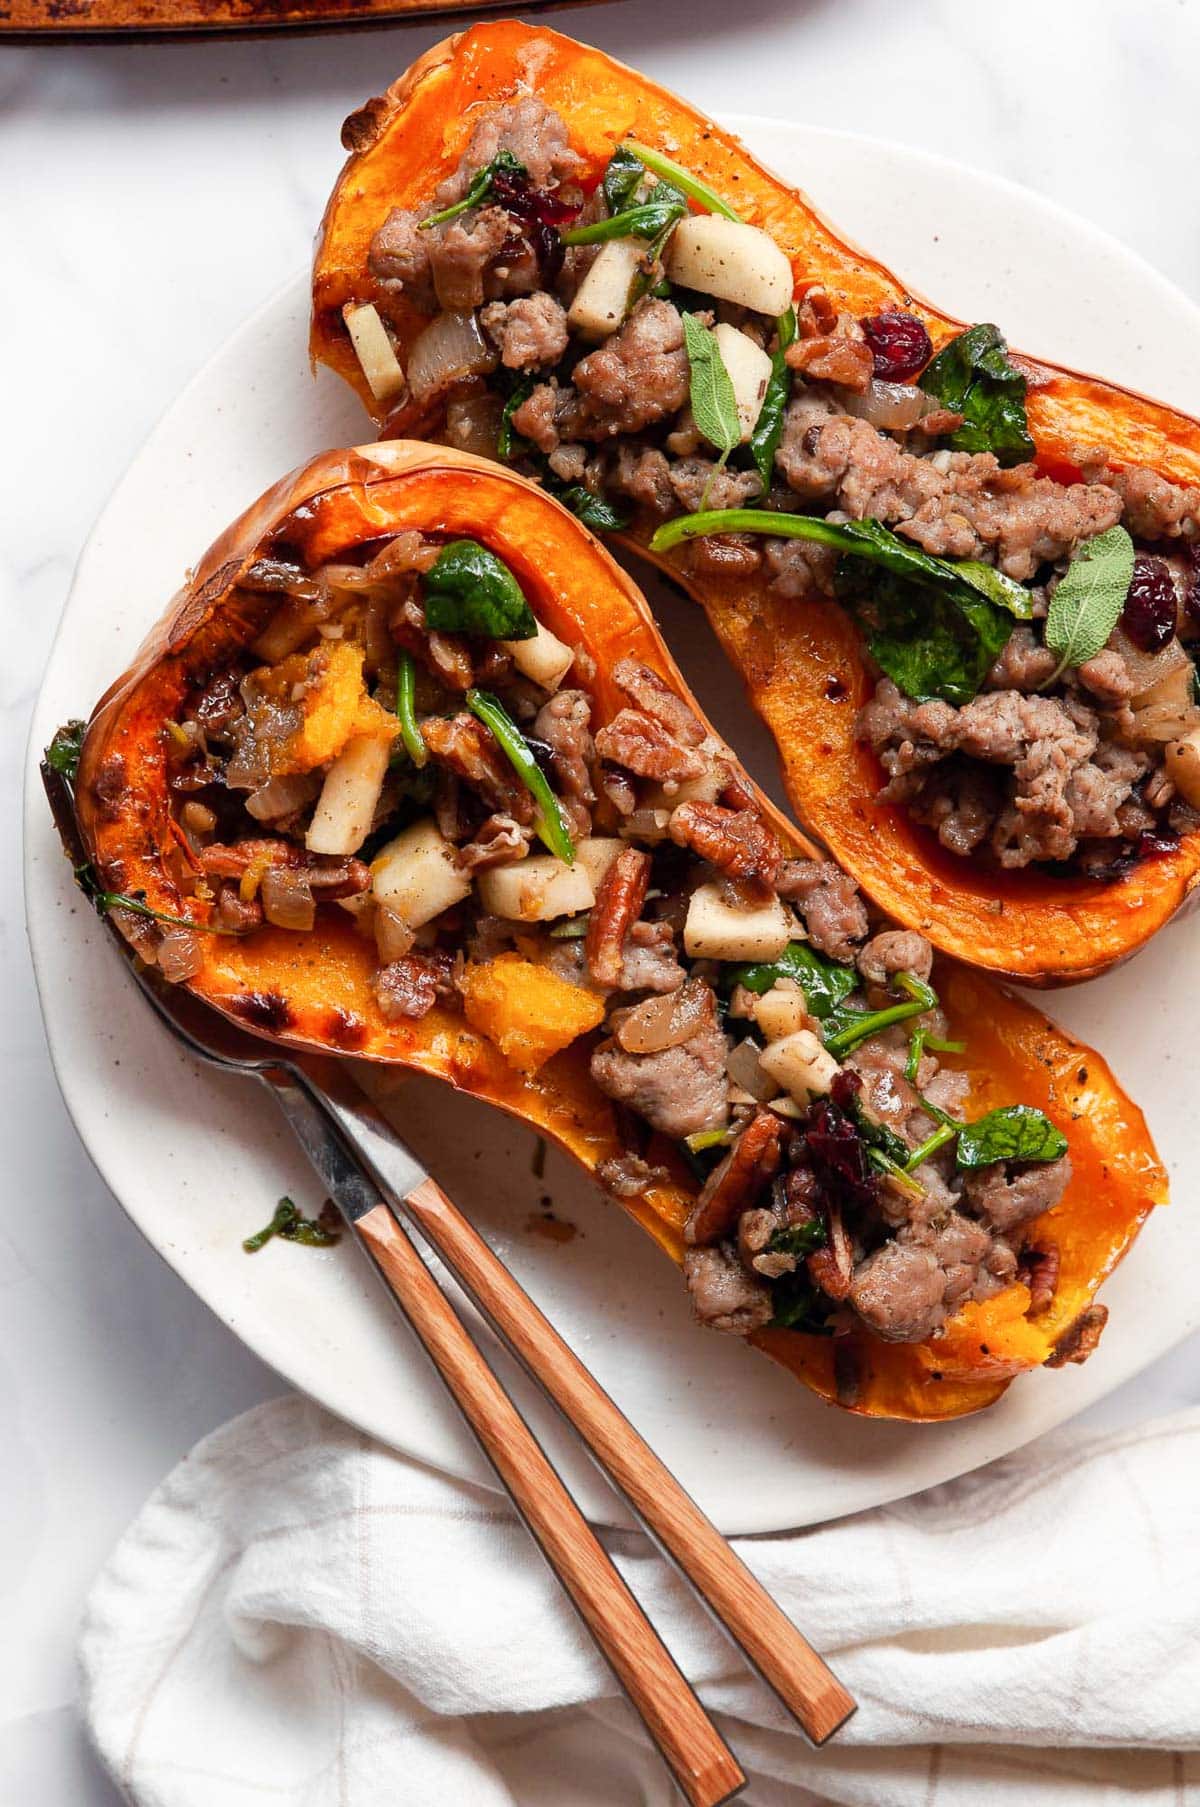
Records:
x=470, y=591
x=824, y=983
x=1015, y=1132
x=972, y=376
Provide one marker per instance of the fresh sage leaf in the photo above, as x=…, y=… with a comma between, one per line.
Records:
x=714, y=404
x=1015, y=1132
x=503, y=163
x=1087, y=603
x=824, y=983
x=972, y=376
x=470, y=591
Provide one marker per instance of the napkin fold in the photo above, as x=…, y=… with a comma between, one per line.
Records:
x=303, y=1618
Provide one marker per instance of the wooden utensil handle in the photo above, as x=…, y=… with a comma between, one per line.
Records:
x=698, y=1757
x=785, y=1660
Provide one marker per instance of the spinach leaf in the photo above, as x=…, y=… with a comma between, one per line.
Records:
x=824, y=983
x=292, y=1227
x=931, y=642
x=594, y=511
x=1087, y=604
x=646, y=220
x=502, y=164
x=470, y=591
x=680, y=178
x=411, y=738
x=621, y=179
x=845, y=1029
x=135, y=902
x=62, y=755
x=768, y=428
x=550, y=822
x=799, y=1238
x=973, y=376
x=714, y=404
x=1015, y=1132
x=509, y=442
x=798, y=1305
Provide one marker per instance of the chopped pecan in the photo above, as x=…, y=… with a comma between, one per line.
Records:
x=1038, y=1269
x=645, y=747
x=938, y=422
x=833, y=358
x=619, y=899
x=497, y=842
x=1079, y=1338
x=750, y=1164
x=466, y=747
x=654, y=695
x=737, y=841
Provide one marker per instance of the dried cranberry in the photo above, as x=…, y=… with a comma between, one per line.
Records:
x=1152, y=606
x=1154, y=843
x=839, y=1154
x=540, y=214
x=899, y=344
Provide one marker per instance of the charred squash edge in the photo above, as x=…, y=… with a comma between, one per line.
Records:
x=312, y=991
x=1028, y=926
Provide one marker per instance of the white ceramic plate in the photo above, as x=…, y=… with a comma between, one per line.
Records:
x=199, y=1160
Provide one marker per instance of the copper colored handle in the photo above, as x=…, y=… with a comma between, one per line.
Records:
x=784, y=1659
x=699, y=1759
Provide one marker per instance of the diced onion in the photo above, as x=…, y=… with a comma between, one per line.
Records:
x=280, y=796
x=894, y=407
x=287, y=898
x=179, y=956
x=450, y=348
x=473, y=424
x=1147, y=670
x=665, y=1022
x=393, y=936
x=743, y=1067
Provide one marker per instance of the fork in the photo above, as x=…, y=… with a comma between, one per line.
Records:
x=367, y=1166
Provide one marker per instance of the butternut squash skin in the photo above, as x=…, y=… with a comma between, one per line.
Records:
x=1026, y=925
x=312, y=991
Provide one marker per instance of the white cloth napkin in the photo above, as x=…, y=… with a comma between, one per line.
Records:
x=299, y=1617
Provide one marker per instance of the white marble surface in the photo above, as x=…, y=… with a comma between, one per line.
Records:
x=152, y=197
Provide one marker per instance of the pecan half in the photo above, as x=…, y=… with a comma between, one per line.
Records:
x=619, y=900
x=466, y=747
x=1080, y=1338
x=750, y=1164
x=737, y=841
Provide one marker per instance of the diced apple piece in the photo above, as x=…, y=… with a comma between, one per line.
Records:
x=716, y=930
x=801, y=1064
x=1182, y=764
x=346, y=806
x=730, y=260
x=781, y=1011
x=538, y=889
x=418, y=875
x=374, y=351
x=602, y=298
x=749, y=369
x=544, y=660
x=597, y=854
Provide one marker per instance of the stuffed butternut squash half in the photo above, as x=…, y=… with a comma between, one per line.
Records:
x=406, y=773
x=963, y=588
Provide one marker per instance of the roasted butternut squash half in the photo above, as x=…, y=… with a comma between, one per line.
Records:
x=962, y=587
x=406, y=773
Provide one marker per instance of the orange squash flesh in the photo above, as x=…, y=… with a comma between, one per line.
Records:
x=1026, y=924
x=314, y=990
